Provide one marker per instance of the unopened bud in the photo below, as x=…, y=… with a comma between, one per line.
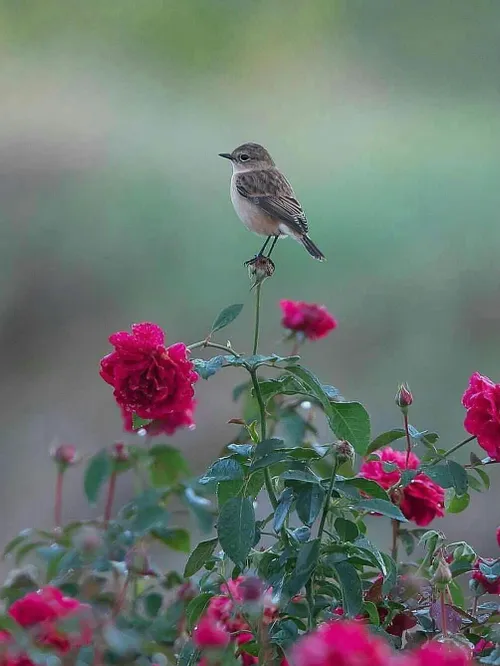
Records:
x=464, y=552
x=88, y=539
x=120, y=452
x=251, y=589
x=403, y=397
x=65, y=455
x=344, y=451
x=442, y=575
x=259, y=269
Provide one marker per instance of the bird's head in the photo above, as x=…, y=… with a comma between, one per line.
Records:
x=249, y=156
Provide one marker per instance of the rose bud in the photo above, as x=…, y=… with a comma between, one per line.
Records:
x=259, y=269
x=344, y=451
x=120, y=452
x=403, y=397
x=251, y=588
x=442, y=575
x=65, y=455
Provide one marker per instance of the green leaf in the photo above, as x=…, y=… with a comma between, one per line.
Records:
x=138, y=422
x=294, y=426
x=196, y=607
x=392, y=572
x=457, y=594
x=408, y=541
x=373, y=553
x=236, y=528
x=458, y=503
x=224, y=469
x=226, y=490
x=309, y=503
x=168, y=465
x=303, y=475
x=306, y=563
x=189, y=654
x=253, y=484
x=147, y=518
x=201, y=508
x=16, y=541
x=448, y=474
x=366, y=485
x=271, y=459
x=382, y=507
x=346, y=529
x=225, y=317
x=283, y=509
x=175, y=538
x=207, y=368
x=97, y=473
x=348, y=420
x=484, y=477
x=268, y=446
x=203, y=552
x=153, y=603
x=384, y=439
x=371, y=610
x=350, y=585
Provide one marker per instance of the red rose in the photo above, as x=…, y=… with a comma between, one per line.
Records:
x=482, y=645
x=374, y=469
x=433, y=653
x=343, y=643
x=149, y=379
x=482, y=402
x=46, y=604
x=422, y=500
x=210, y=634
x=167, y=425
x=484, y=573
x=313, y=320
x=498, y=536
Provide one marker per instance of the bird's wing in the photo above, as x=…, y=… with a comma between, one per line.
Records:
x=269, y=190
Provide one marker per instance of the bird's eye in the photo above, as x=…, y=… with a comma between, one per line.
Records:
x=244, y=157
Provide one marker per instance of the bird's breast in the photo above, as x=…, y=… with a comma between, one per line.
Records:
x=252, y=216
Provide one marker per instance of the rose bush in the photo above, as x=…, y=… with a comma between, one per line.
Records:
x=287, y=571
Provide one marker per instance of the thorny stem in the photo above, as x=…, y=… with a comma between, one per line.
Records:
x=58, y=500
x=395, y=537
x=206, y=343
x=110, y=497
x=442, y=602
x=455, y=448
x=474, y=606
x=257, y=319
x=328, y=497
x=408, y=438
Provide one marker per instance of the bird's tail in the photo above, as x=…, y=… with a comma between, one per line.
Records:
x=313, y=249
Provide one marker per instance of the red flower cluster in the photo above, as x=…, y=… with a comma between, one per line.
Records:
x=350, y=643
x=489, y=582
x=343, y=643
x=40, y=612
x=482, y=402
x=223, y=617
x=421, y=500
x=151, y=380
x=400, y=623
x=312, y=320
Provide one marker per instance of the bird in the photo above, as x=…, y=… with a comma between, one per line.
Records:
x=264, y=199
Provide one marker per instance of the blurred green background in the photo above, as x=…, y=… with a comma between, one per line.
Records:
x=114, y=206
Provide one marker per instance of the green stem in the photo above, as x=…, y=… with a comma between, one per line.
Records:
x=263, y=433
x=205, y=343
x=395, y=537
x=408, y=438
x=257, y=319
x=455, y=448
x=328, y=497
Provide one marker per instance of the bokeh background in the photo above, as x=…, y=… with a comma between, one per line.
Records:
x=114, y=207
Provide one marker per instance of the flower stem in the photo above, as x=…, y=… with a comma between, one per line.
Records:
x=408, y=438
x=206, y=343
x=444, y=627
x=263, y=434
x=58, y=500
x=257, y=319
x=328, y=497
x=395, y=537
x=110, y=497
x=455, y=448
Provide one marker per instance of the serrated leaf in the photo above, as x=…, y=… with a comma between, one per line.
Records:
x=267, y=461
x=384, y=439
x=236, y=528
x=175, y=538
x=448, y=474
x=97, y=473
x=201, y=508
x=226, y=317
x=309, y=503
x=283, y=509
x=203, y=552
x=381, y=507
x=346, y=529
x=226, y=490
x=348, y=420
x=484, y=477
x=189, y=654
x=373, y=553
x=168, y=465
x=196, y=607
x=208, y=368
x=268, y=446
x=368, y=486
x=16, y=541
x=350, y=585
x=306, y=563
x=408, y=541
x=224, y=469
x=147, y=518
x=458, y=503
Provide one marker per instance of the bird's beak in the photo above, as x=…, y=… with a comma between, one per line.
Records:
x=227, y=156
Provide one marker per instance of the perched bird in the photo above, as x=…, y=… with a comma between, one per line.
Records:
x=264, y=199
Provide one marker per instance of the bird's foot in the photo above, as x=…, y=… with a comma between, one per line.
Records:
x=259, y=269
